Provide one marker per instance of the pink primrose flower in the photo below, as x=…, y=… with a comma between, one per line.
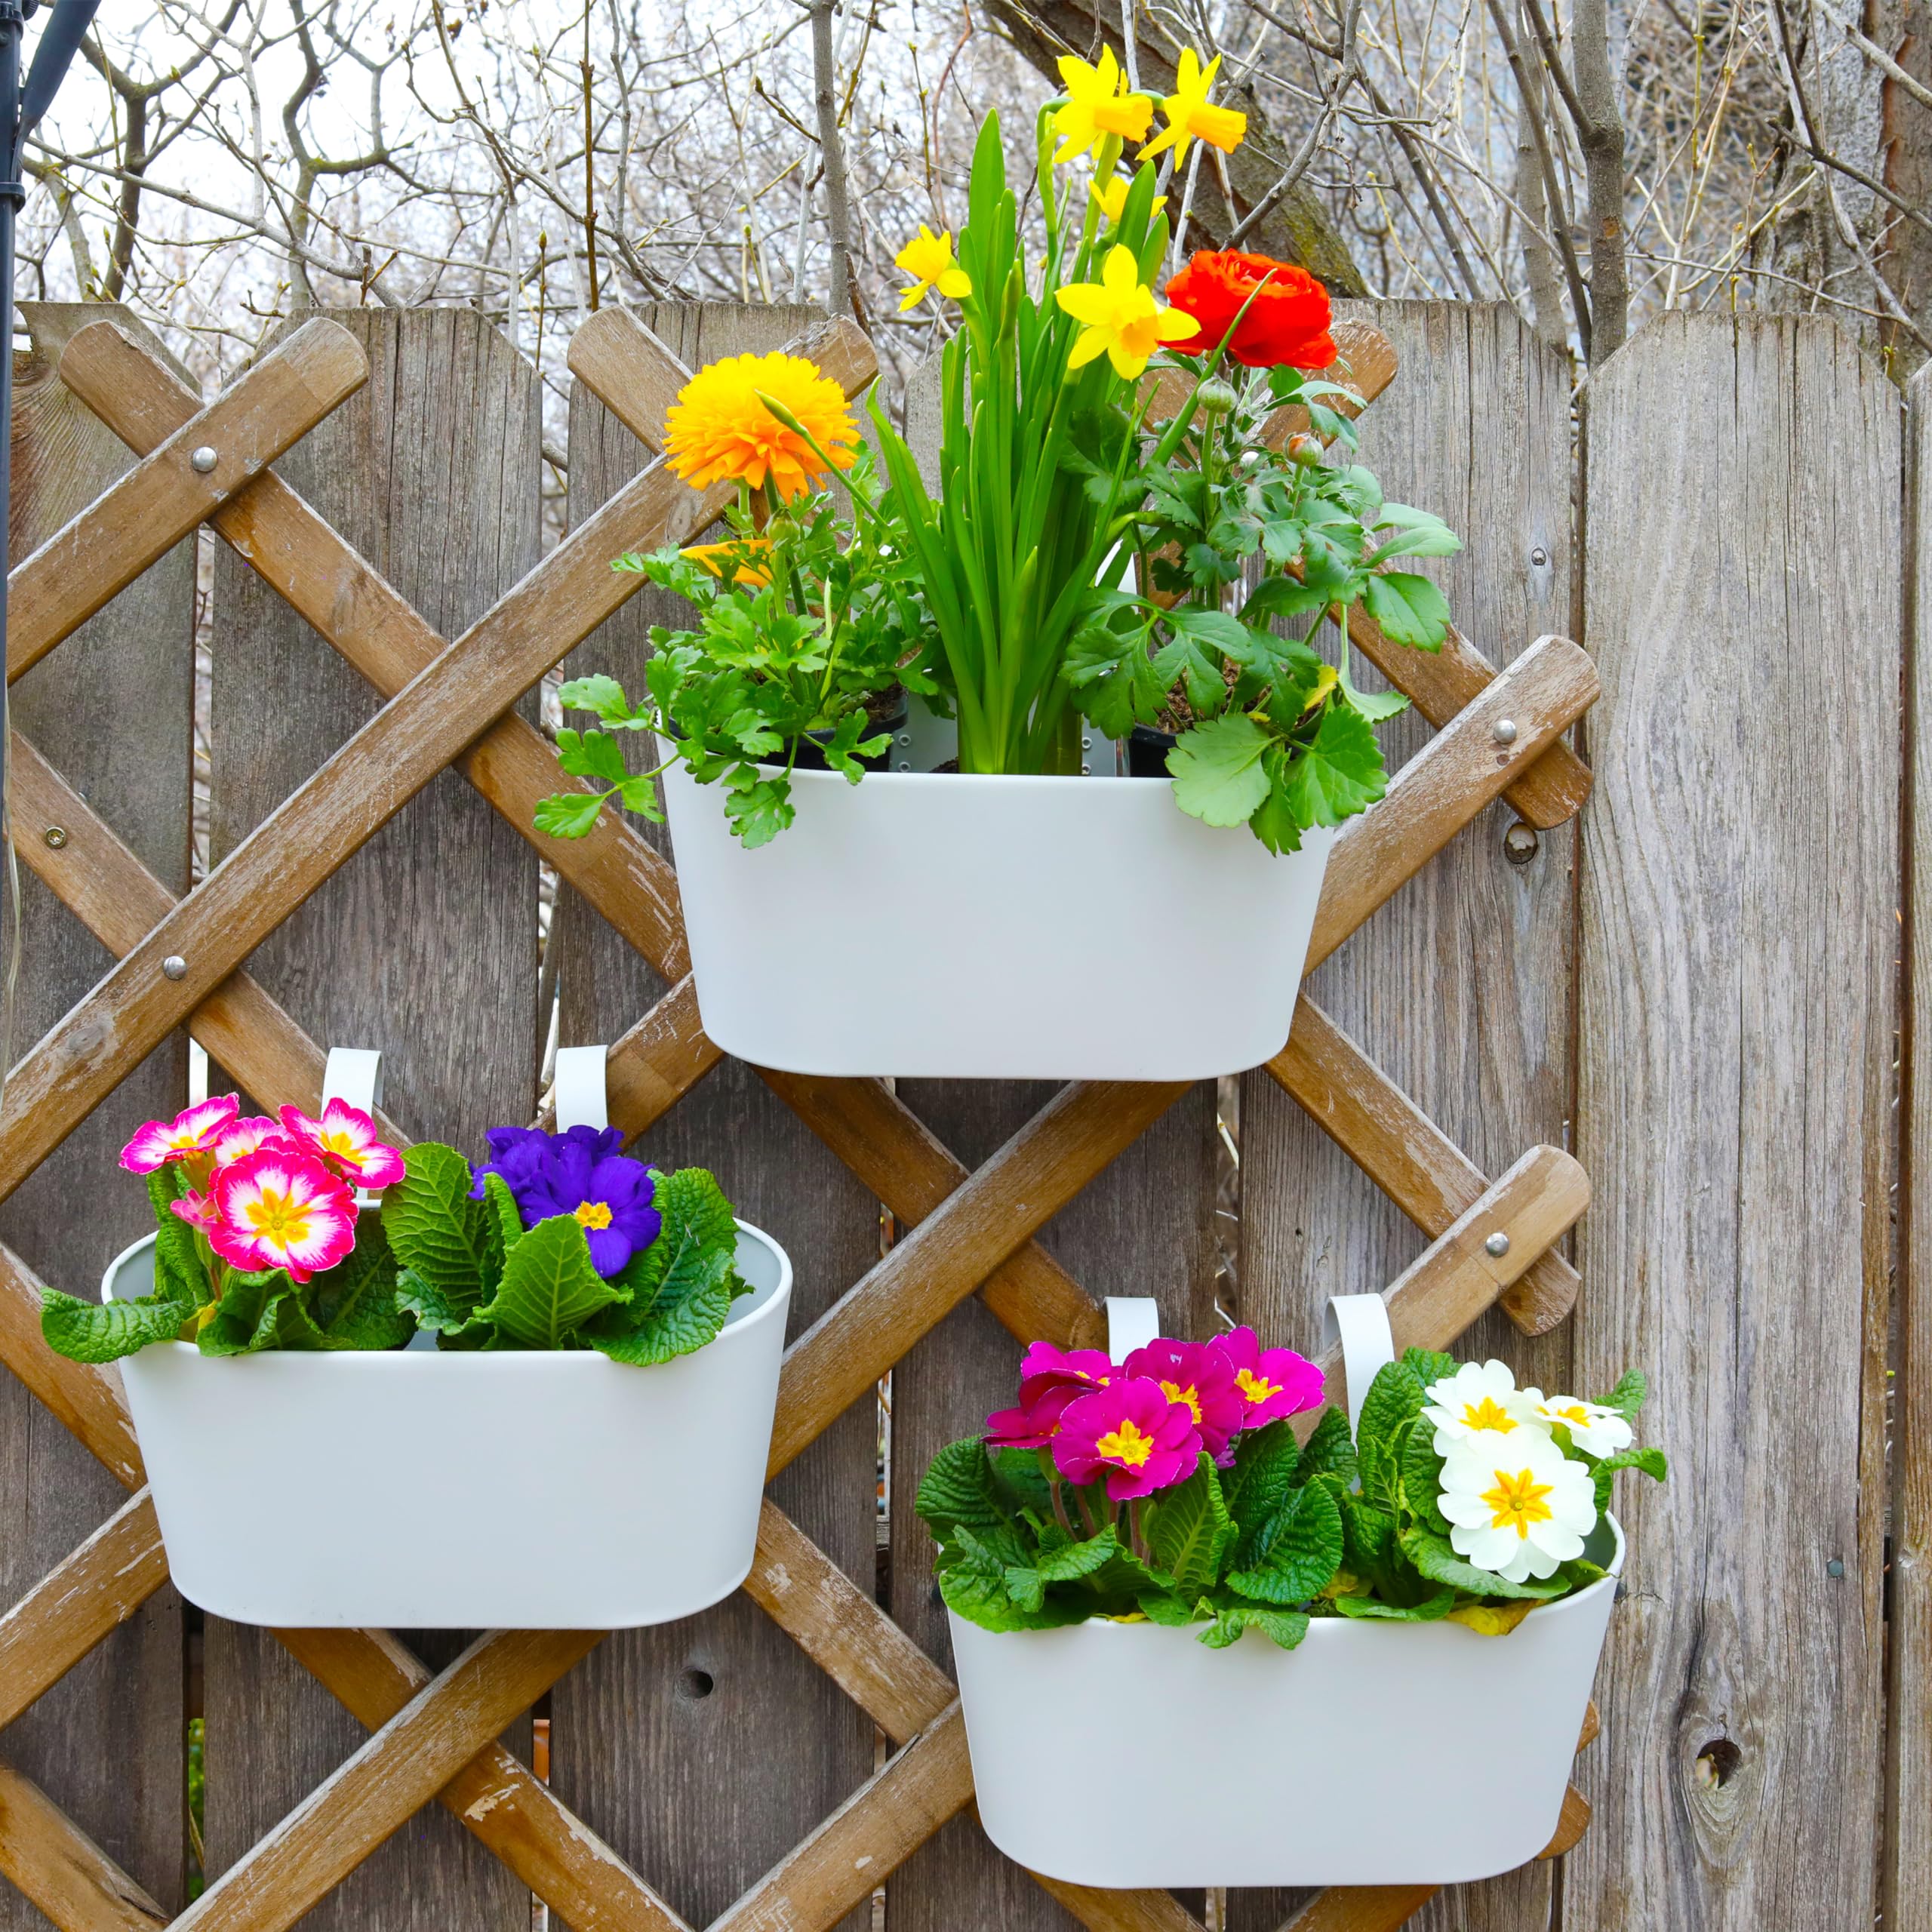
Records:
x=245, y=1137
x=1199, y=1376
x=345, y=1137
x=1272, y=1383
x=187, y=1136
x=276, y=1209
x=1131, y=1433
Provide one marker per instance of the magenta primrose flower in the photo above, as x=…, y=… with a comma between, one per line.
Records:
x=194, y=1132
x=1131, y=1433
x=1272, y=1383
x=277, y=1210
x=1049, y=1378
x=345, y=1139
x=245, y=1137
x=1200, y=1377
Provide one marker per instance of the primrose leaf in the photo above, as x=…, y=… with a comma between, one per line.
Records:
x=549, y=1287
x=1285, y=1627
x=978, y=1589
x=179, y=1269
x=1627, y=1397
x=104, y=1331
x=1431, y=1610
x=1072, y=1561
x=248, y=1318
x=432, y=1308
x=1394, y=1401
x=354, y=1304
x=1409, y=609
x=676, y=1293
x=1340, y=773
x=433, y=1227
x=1299, y=1550
x=1431, y=1366
x=1421, y=1478
x=1266, y=1461
x=1651, y=1461
x=1217, y=770
x=1189, y=1530
x=1368, y=1540
x=1434, y=1558
x=959, y=1488
x=1330, y=1451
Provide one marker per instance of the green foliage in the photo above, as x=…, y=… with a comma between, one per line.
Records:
x=104, y=1331
x=1336, y=1527
x=675, y=1294
x=436, y=1231
x=807, y=619
x=549, y=1288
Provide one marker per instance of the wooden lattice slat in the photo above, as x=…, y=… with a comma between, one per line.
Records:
x=972, y=1230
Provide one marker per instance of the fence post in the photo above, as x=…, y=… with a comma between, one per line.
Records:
x=1460, y=989
x=1739, y=887
x=424, y=944
x=114, y=711
x=727, y=1692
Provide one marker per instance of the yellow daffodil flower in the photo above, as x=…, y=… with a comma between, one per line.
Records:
x=928, y=259
x=1110, y=198
x=1097, y=105
x=1121, y=320
x=1191, y=117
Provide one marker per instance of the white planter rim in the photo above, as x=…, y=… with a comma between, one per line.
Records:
x=760, y=1306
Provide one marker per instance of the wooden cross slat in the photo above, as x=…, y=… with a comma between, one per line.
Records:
x=657, y=1061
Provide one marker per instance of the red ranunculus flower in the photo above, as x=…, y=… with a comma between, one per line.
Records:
x=1287, y=323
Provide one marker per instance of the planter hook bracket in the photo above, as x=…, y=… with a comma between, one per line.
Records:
x=1360, y=1323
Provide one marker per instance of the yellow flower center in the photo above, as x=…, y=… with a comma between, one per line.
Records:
x=185, y=1136
x=1575, y=1413
x=1517, y=1501
x=339, y=1143
x=1487, y=1413
x=1189, y=1395
x=593, y=1213
x=1256, y=1388
x=277, y=1219
x=1125, y=1445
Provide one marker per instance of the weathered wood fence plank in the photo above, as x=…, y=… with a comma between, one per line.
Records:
x=114, y=709
x=1459, y=988
x=423, y=945
x=707, y=1749
x=1907, y=1897
x=1740, y=889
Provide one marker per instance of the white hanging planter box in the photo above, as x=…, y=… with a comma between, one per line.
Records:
x=416, y=1489
x=940, y=925
x=1129, y=1754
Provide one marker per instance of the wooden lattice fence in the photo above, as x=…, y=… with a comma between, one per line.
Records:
x=1692, y=988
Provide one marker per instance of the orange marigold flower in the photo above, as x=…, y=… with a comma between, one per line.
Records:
x=720, y=431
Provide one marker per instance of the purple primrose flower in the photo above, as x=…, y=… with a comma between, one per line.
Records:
x=579, y=1173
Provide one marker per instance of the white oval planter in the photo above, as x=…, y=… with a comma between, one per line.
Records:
x=1128, y=1755
x=413, y=1489
x=937, y=925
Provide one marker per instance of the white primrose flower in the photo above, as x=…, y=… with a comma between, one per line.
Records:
x=1516, y=1504
x=1594, y=1429
x=1481, y=1405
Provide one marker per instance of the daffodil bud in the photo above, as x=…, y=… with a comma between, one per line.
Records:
x=1215, y=398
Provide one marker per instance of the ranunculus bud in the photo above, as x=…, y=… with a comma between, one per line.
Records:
x=1215, y=398
x=1305, y=450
